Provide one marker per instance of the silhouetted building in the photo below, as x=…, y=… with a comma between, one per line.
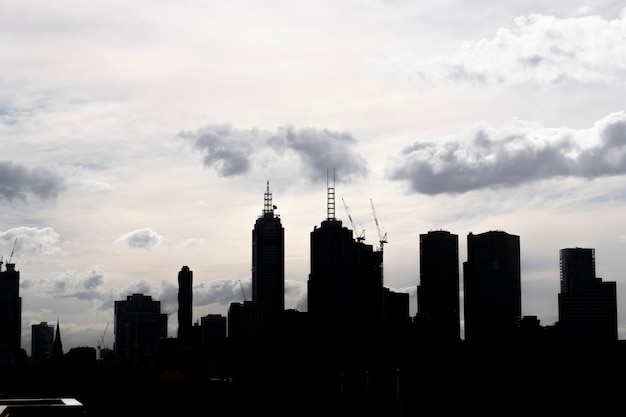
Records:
x=396, y=307
x=587, y=306
x=10, y=317
x=213, y=329
x=42, y=338
x=345, y=285
x=268, y=257
x=492, y=287
x=185, y=304
x=57, y=344
x=139, y=327
x=438, y=291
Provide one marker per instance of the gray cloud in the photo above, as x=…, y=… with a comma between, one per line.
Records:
x=540, y=49
x=140, y=238
x=18, y=182
x=83, y=285
x=514, y=154
x=234, y=152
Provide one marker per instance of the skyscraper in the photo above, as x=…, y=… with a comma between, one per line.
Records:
x=185, y=301
x=438, y=291
x=10, y=315
x=268, y=257
x=345, y=285
x=492, y=287
x=587, y=306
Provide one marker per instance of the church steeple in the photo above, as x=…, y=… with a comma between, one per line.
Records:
x=57, y=346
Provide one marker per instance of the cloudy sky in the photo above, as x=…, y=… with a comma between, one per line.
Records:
x=138, y=137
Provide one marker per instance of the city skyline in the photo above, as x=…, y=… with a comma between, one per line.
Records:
x=138, y=138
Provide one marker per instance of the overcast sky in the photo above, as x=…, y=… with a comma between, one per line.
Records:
x=138, y=137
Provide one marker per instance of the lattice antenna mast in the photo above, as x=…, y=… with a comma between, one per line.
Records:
x=268, y=207
x=330, y=203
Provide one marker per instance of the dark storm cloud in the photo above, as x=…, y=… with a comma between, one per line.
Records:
x=18, y=182
x=512, y=155
x=234, y=152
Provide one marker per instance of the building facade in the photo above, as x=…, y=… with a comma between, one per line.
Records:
x=492, y=287
x=587, y=305
x=438, y=290
x=10, y=316
x=139, y=327
x=345, y=285
x=185, y=304
x=42, y=337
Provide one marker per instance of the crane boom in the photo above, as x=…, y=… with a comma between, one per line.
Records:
x=11, y=257
x=382, y=239
x=361, y=236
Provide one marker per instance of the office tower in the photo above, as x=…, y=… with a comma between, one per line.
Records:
x=587, y=306
x=438, y=291
x=10, y=316
x=139, y=326
x=268, y=257
x=185, y=301
x=345, y=285
x=42, y=337
x=492, y=287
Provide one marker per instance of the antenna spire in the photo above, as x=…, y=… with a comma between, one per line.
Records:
x=330, y=201
x=268, y=207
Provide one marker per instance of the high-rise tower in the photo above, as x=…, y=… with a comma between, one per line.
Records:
x=10, y=315
x=268, y=257
x=587, y=306
x=492, y=287
x=345, y=288
x=438, y=291
x=185, y=303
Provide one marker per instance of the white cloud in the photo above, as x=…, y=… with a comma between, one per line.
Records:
x=140, y=238
x=538, y=49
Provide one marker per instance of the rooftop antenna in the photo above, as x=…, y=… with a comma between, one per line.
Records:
x=268, y=207
x=330, y=203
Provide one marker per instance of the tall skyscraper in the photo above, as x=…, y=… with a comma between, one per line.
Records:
x=345, y=285
x=185, y=304
x=438, y=291
x=492, y=287
x=10, y=315
x=587, y=306
x=268, y=257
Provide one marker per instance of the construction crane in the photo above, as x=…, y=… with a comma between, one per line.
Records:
x=382, y=239
x=360, y=237
x=11, y=257
x=242, y=291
